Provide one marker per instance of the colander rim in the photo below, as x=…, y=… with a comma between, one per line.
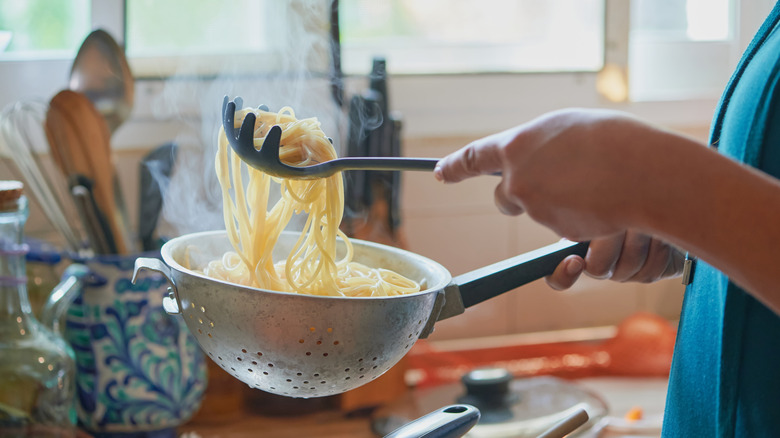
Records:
x=167, y=255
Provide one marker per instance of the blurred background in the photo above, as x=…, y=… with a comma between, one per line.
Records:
x=452, y=71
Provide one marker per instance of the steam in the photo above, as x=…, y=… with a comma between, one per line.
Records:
x=293, y=73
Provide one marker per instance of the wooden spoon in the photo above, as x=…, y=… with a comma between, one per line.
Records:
x=80, y=141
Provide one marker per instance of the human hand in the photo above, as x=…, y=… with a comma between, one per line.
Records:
x=582, y=173
x=628, y=256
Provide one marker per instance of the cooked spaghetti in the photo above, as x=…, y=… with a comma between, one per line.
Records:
x=254, y=223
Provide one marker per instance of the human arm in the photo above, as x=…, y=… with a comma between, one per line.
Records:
x=593, y=174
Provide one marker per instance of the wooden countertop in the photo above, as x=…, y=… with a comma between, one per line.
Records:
x=327, y=424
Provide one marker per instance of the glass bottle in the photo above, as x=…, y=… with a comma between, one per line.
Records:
x=37, y=366
x=42, y=261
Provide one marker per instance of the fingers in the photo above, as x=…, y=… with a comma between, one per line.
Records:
x=633, y=256
x=478, y=158
x=504, y=204
x=659, y=259
x=566, y=273
x=626, y=257
x=603, y=255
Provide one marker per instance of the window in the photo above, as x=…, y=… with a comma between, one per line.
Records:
x=681, y=49
x=185, y=37
x=42, y=29
x=473, y=36
x=436, y=50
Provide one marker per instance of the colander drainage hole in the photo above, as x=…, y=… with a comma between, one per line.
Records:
x=289, y=380
x=243, y=350
x=239, y=359
x=265, y=372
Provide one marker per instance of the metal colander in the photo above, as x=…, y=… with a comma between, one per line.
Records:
x=312, y=346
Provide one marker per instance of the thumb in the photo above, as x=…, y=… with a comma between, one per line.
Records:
x=566, y=273
x=477, y=158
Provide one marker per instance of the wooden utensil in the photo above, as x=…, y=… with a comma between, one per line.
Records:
x=80, y=141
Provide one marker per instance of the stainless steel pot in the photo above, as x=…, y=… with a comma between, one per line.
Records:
x=313, y=346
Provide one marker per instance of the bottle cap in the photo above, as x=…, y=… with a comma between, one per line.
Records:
x=10, y=192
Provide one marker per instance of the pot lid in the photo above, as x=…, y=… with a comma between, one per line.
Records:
x=522, y=407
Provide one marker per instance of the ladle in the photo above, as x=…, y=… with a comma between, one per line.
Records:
x=101, y=72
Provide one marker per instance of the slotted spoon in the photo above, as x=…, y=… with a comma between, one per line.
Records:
x=266, y=159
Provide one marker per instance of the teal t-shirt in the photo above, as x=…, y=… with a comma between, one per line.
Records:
x=725, y=377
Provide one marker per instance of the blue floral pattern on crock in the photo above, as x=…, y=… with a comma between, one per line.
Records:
x=138, y=368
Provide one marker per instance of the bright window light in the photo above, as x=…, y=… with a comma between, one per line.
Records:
x=708, y=20
x=473, y=36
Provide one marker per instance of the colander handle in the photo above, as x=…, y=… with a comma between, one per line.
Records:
x=171, y=302
x=490, y=281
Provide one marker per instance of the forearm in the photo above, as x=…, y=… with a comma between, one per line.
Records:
x=721, y=211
